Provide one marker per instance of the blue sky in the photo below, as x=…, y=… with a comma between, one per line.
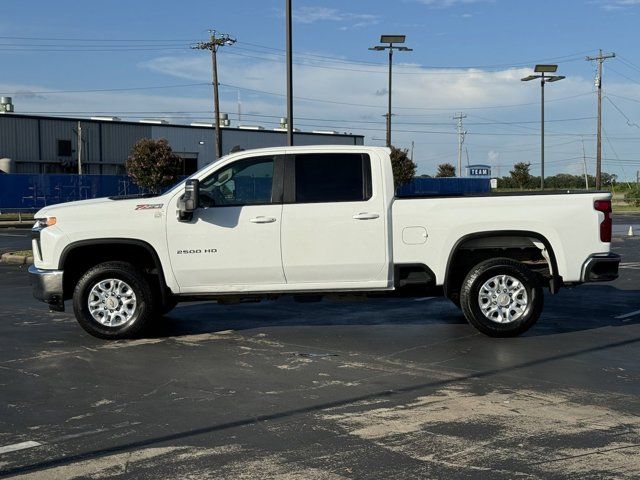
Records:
x=468, y=57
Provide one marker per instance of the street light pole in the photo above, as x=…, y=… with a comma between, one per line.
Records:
x=542, y=133
x=390, y=40
x=542, y=69
x=389, y=108
x=289, y=46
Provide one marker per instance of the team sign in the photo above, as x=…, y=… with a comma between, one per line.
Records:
x=479, y=172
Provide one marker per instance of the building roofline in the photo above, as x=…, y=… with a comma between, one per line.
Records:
x=165, y=125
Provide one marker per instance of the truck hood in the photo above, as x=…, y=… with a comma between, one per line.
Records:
x=81, y=206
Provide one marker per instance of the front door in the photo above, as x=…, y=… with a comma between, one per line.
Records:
x=233, y=241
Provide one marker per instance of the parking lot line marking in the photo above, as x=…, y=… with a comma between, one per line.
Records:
x=12, y=235
x=423, y=299
x=627, y=315
x=18, y=446
x=630, y=264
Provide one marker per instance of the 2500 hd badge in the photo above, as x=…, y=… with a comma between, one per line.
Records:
x=190, y=252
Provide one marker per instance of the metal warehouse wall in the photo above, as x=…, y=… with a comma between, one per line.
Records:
x=32, y=142
x=247, y=139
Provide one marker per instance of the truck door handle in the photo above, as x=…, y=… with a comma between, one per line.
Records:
x=262, y=220
x=366, y=216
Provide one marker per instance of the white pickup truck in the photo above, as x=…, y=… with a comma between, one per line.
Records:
x=312, y=222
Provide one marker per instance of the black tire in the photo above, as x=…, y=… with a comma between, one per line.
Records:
x=484, y=271
x=135, y=279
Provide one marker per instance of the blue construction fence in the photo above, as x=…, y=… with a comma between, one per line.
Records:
x=28, y=192
x=425, y=187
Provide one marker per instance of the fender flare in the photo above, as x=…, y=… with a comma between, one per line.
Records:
x=502, y=233
x=119, y=241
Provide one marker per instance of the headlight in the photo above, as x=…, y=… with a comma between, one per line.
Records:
x=44, y=223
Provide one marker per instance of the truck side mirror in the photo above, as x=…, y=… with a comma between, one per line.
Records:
x=190, y=201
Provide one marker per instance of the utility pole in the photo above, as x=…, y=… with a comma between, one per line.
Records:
x=412, y=145
x=289, y=46
x=216, y=40
x=79, y=148
x=600, y=59
x=584, y=164
x=461, y=134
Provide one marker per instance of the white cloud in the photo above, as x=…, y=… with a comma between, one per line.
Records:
x=355, y=95
x=314, y=14
x=450, y=3
x=613, y=5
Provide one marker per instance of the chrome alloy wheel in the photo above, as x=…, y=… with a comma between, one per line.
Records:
x=112, y=302
x=503, y=299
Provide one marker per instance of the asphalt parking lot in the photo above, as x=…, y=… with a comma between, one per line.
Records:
x=331, y=390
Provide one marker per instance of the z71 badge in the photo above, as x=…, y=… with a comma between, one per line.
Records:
x=149, y=206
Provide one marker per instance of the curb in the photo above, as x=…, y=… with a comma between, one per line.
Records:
x=7, y=224
x=16, y=259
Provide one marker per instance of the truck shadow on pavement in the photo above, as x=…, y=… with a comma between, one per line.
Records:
x=586, y=308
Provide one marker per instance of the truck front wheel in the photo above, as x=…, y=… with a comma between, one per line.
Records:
x=501, y=297
x=113, y=300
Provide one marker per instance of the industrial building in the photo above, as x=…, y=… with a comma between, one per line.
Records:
x=46, y=144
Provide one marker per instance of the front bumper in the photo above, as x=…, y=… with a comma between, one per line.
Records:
x=601, y=268
x=47, y=287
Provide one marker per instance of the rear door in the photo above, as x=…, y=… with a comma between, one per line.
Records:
x=334, y=221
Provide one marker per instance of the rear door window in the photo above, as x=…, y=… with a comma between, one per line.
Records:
x=332, y=177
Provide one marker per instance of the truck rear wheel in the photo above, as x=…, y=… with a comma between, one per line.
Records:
x=113, y=300
x=501, y=297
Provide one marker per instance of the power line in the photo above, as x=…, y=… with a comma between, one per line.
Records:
x=569, y=57
x=96, y=90
x=92, y=50
x=629, y=122
x=185, y=114
x=623, y=75
x=471, y=70
x=75, y=39
x=628, y=63
x=401, y=108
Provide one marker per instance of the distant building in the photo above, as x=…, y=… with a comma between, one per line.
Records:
x=478, y=171
x=45, y=144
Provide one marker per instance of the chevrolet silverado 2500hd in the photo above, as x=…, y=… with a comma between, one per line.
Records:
x=312, y=222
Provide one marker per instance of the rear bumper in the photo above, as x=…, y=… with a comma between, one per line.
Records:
x=601, y=268
x=47, y=287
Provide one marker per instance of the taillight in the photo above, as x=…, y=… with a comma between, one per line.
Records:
x=606, y=225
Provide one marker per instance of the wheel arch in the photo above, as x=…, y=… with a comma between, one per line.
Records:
x=553, y=263
x=149, y=257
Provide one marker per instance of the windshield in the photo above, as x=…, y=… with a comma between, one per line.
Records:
x=180, y=185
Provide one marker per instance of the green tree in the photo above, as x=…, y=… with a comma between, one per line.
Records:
x=633, y=196
x=446, y=170
x=608, y=179
x=152, y=164
x=404, y=169
x=521, y=174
